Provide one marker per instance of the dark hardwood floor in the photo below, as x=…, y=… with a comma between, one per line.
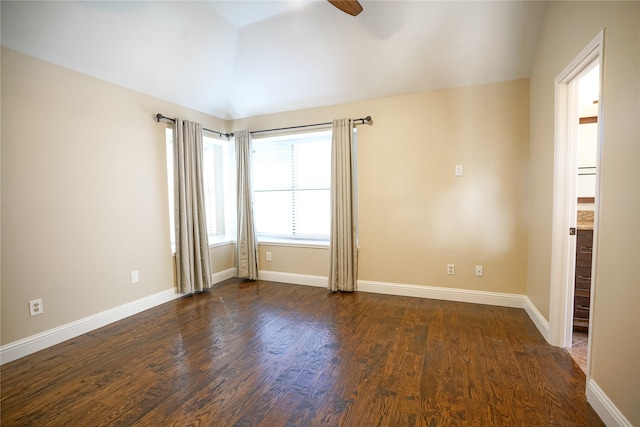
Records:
x=271, y=354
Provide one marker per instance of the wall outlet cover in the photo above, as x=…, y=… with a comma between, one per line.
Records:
x=35, y=307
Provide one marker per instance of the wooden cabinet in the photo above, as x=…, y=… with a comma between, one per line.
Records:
x=582, y=290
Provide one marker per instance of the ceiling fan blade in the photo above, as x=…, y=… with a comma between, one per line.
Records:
x=352, y=7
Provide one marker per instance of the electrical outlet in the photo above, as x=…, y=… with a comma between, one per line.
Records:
x=451, y=269
x=135, y=276
x=479, y=271
x=458, y=170
x=36, y=307
x=268, y=255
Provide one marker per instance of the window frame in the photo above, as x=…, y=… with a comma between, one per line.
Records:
x=225, y=214
x=309, y=240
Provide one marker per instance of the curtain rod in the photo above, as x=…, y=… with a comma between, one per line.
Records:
x=160, y=117
x=362, y=120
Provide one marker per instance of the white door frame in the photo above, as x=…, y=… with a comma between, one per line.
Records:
x=563, y=246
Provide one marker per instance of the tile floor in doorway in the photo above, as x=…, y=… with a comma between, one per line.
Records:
x=578, y=350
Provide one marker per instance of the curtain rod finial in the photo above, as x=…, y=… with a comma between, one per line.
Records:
x=158, y=117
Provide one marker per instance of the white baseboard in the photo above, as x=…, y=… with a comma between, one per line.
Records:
x=34, y=343
x=538, y=319
x=448, y=294
x=418, y=291
x=223, y=275
x=606, y=410
x=293, y=278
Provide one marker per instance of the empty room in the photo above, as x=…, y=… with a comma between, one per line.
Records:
x=320, y=213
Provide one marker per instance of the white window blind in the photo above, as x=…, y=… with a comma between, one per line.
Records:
x=291, y=182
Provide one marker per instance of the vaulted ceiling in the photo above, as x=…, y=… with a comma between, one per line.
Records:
x=236, y=59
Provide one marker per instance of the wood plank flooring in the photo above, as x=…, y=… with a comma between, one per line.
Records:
x=272, y=354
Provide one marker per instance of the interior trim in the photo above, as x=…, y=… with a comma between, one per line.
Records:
x=537, y=318
x=604, y=407
x=403, y=289
x=564, y=206
x=447, y=294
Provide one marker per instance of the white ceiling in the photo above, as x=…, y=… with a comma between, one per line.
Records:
x=238, y=59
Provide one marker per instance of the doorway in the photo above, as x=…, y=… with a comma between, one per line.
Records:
x=588, y=93
x=571, y=158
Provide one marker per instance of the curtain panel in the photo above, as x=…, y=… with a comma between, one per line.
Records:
x=343, y=252
x=193, y=270
x=246, y=243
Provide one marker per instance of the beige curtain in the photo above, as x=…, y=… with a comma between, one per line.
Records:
x=343, y=255
x=247, y=244
x=193, y=270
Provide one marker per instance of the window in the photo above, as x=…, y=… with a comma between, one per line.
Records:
x=218, y=163
x=291, y=185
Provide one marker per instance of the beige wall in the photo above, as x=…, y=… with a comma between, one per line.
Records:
x=415, y=216
x=568, y=28
x=222, y=257
x=313, y=261
x=84, y=196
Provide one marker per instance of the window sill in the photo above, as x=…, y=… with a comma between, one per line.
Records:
x=295, y=243
x=217, y=241
x=214, y=242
